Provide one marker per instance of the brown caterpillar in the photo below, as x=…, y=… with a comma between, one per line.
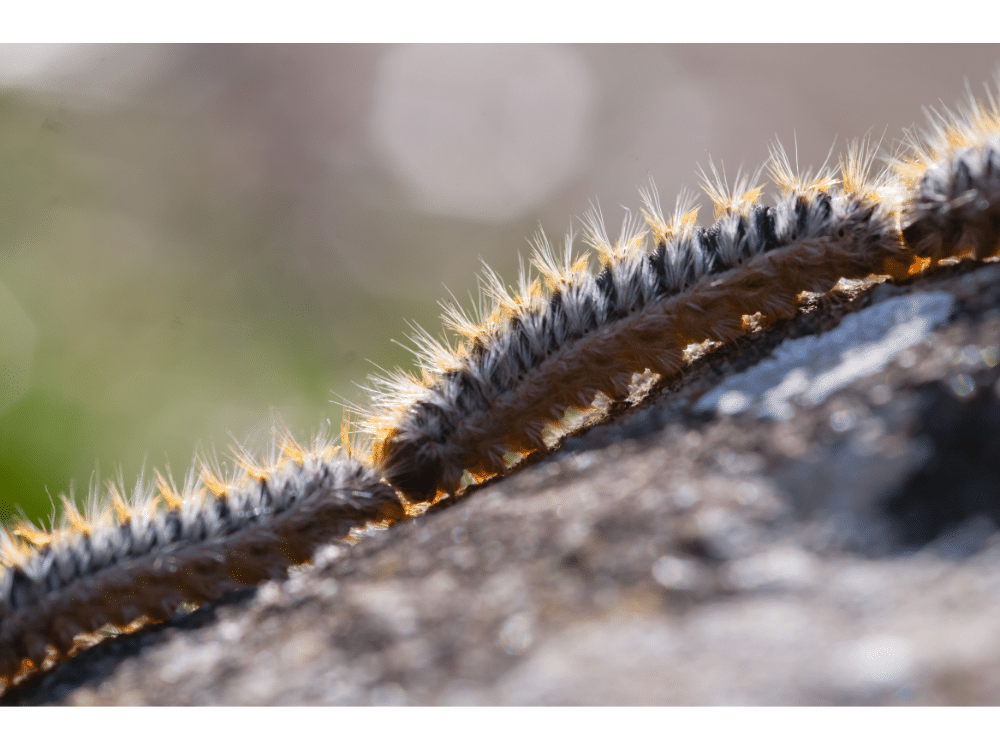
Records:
x=143, y=556
x=519, y=367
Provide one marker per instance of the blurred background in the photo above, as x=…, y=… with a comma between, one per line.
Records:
x=197, y=241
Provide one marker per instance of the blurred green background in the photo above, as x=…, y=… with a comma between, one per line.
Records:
x=196, y=241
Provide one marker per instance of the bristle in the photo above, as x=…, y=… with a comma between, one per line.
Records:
x=122, y=510
x=15, y=549
x=254, y=469
x=346, y=441
x=632, y=237
x=793, y=182
x=214, y=483
x=291, y=449
x=251, y=466
x=856, y=171
x=456, y=319
x=73, y=517
x=558, y=273
x=33, y=535
x=595, y=233
x=653, y=213
x=168, y=492
x=685, y=216
x=433, y=354
x=739, y=199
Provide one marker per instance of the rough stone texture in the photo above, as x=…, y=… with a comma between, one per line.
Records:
x=847, y=554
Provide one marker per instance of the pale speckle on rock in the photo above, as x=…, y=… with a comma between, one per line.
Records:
x=876, y=661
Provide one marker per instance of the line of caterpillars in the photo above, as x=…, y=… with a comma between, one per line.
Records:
x=515, y=370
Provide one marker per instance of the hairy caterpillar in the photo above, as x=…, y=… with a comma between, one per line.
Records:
x=534, y=355
x=213, y=536
x=520, y=365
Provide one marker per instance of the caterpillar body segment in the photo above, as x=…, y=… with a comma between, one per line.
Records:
x=956, y=207
x=951, y=173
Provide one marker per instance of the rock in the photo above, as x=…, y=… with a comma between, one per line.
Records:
x=821, y=529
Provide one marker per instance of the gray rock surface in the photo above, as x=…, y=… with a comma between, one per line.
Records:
x=840, y=549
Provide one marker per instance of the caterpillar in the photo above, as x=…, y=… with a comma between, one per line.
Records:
x=519, y=367
x=520, y=362
x=171, y=547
